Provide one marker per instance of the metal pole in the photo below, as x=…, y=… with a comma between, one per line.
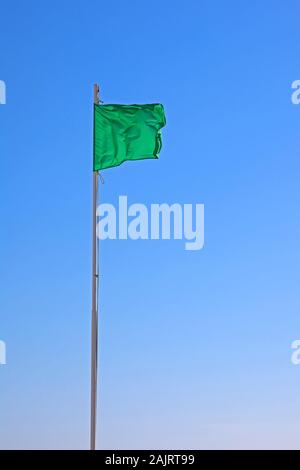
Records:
x=94, y=349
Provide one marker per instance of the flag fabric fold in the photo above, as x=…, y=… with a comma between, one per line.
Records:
x=126, y=132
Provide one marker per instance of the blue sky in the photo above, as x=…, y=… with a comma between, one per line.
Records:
x=194, y=346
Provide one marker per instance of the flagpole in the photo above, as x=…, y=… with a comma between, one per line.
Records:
x=94, y=335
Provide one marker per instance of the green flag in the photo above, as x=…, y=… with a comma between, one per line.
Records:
x=126, y=132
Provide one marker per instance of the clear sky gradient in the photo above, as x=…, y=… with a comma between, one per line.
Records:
x=194, y=346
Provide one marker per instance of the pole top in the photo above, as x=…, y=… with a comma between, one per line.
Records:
x=96, y=94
